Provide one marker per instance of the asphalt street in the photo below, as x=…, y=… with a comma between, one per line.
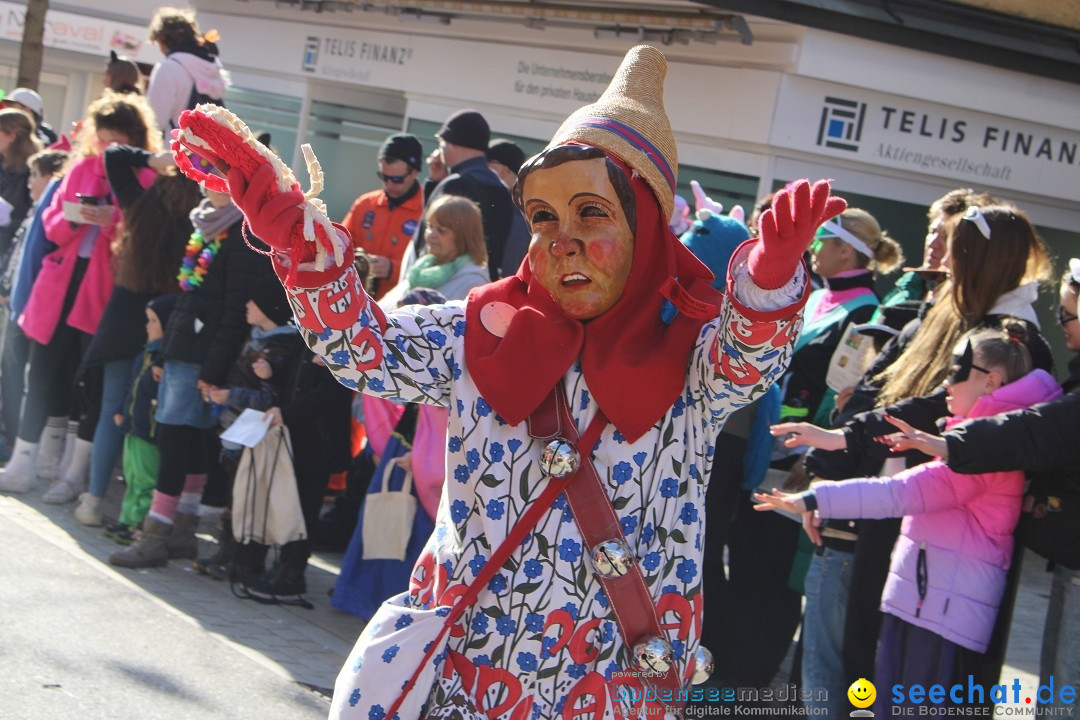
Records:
x=79, y=640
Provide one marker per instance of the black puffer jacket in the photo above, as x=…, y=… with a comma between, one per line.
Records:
x=209, y=325
x=1040, y=439
x=864, y=454
x=317, y=409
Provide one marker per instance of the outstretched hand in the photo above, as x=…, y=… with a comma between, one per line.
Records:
x=911, y=439
x=796, y=434
x=787, y=228
x=776, y=500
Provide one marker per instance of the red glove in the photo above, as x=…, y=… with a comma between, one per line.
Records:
x=275, y=217
x=787, y=229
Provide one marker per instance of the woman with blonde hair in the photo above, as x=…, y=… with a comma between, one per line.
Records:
x=69, y=295
x=456, y=257
x=17, y=144
x=995, y=262
x=847, y=253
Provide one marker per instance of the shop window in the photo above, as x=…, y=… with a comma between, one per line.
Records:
x=268, y=112
x=726, y=188
x=346, y=140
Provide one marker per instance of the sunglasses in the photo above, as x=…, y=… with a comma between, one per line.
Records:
x=1064, y=317
x=395, y=179
x=962, y=365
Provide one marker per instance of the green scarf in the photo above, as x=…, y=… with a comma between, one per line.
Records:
x=425, y=273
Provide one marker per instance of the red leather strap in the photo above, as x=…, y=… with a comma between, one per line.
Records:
x=551, y=417
x=633, y=605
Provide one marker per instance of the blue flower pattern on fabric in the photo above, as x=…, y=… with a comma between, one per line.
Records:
x=686, y=570
x=423, y=355
x=506, y=625
x=622, y=472
x=689, y=514
x=532, y=568
x=569, y=550
x=526, y=661
x=497, y=584
x=669, y=487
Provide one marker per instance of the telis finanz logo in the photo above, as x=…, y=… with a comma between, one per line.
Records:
x=311, y=53
x=841, y=124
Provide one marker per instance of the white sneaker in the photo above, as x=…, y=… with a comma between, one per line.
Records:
x=15, y=482
x=60, y=492
x=18, y=475
x=88, y=511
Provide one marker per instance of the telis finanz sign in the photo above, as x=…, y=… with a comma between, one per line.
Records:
x=906, y=134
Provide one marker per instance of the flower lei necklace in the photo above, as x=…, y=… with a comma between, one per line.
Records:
x=198, y=258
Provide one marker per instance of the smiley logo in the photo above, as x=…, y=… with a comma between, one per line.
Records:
x=862, y=693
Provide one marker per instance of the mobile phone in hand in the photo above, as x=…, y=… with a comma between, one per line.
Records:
x=93, y=200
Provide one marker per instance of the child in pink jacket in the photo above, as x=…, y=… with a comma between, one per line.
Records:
x=949, y=565
x=69, y=295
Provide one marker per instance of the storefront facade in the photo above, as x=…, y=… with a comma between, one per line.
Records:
x=77, y=46
x=895, y=128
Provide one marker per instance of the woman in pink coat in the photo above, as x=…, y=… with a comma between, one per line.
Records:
x=948, y=568
x=75, y=282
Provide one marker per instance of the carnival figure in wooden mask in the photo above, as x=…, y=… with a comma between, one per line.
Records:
x=564, y=575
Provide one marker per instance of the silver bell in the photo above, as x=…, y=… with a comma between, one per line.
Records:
x=703, y=665
x=612, y=558
x=559, y=458
x=654, y=655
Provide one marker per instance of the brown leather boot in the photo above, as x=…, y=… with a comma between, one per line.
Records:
x=182, y=543
x=150, y=550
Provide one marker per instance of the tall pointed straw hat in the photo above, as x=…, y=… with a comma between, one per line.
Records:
x=630, y=122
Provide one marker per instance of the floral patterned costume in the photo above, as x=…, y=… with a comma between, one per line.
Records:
x=541, y=641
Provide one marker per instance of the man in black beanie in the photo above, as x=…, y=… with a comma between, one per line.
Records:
x=382, y=222
x=463, y=142
x=505, y=158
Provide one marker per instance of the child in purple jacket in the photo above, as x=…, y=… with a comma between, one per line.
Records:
x=949, y=565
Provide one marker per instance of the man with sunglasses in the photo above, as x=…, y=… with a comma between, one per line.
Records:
x=382, y=222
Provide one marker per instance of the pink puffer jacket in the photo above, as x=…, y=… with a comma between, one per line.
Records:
x=44, y=308
x=961, y=524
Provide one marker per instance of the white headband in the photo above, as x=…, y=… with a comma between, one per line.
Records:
x=834, y=229
x=1074, y=270
x=974, y=215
